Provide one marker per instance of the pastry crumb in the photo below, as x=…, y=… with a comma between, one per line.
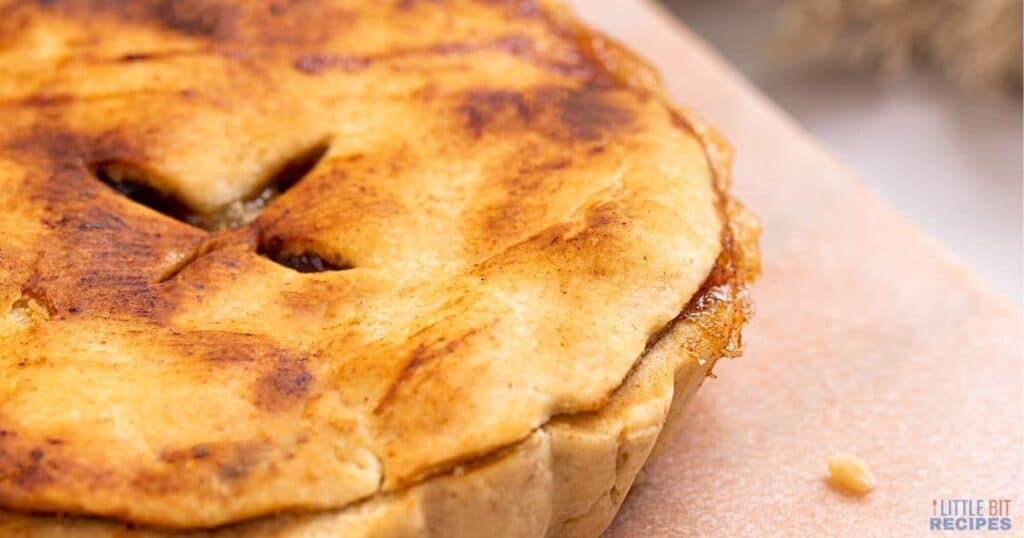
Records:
x=850, y=474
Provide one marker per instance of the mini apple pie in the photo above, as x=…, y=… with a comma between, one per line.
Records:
x=345, y=268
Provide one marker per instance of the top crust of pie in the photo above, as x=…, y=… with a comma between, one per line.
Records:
x=512, y=217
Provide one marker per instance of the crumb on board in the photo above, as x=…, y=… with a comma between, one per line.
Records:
x=849, y=473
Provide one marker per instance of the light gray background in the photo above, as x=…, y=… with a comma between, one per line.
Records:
x=950, y=161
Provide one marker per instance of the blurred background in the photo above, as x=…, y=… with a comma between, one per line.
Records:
x=922, y=98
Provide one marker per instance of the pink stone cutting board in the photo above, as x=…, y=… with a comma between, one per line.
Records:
x=869, y=337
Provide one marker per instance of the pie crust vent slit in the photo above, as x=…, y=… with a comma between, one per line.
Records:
x=302, y=261
x=131, y=182
x=242, y=212
x=297, y=168
x=134, y=183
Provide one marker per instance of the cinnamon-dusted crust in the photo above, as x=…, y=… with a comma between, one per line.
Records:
x=461, y=308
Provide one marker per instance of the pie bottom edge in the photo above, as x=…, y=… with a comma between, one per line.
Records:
x=566, y=479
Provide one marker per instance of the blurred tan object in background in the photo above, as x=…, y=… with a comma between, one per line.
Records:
x=947, y=155
x=976, y=44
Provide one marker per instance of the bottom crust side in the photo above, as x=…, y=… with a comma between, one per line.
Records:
x=566, y=479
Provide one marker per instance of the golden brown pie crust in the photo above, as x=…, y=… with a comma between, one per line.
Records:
x=511, y=214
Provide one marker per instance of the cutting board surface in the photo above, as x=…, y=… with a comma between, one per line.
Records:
x=868, y=338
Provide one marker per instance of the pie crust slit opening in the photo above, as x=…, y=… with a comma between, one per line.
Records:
x=296, y=168
x=241, y=212
x=133, y=182
x=303, y=261
x=130, y=181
